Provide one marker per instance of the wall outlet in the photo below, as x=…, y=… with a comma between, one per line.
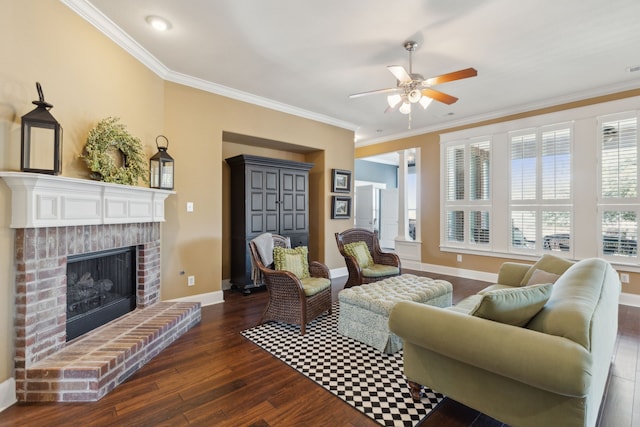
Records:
x=189, y=206
x=191, y=280
x=624, y=277
x=459, y=258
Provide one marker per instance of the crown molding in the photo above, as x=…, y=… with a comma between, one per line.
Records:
x=89, y=13
x=239, y=95
x=106, y=26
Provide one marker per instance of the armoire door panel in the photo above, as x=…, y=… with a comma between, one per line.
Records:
x=256, y=204
x=301, y=183
x=257, y=223
x=287, y=202
x=287, y=181
x=287, y=222
x=255, y=179
x=301, y=221
x=301, y=202
x=272, y=223
x=271, y=180
x=271, y=202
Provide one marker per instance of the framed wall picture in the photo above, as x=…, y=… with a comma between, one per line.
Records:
x=341, y=207
x=341, y=181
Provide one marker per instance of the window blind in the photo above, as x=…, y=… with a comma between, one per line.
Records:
x=619, y=159
x=619, y=202
x=468, y=193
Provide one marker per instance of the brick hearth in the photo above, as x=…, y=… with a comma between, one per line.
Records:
x=49, y=369
x=93, y=365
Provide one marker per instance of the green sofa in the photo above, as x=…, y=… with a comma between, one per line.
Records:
x=550, y=372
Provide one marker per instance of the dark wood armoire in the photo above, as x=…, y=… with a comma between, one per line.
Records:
x=267, y=195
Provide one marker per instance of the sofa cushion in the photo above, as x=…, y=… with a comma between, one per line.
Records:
x=360, y=251
x=515, y=306
x=294, y=260
x=380, y=270
x=549, y=263
x=313, y=285
x=541, y=276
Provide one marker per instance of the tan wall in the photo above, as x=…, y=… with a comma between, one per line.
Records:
x=200, y=243
x=430, y=190
x=87, y=78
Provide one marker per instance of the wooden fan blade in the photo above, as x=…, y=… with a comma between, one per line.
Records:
x=373, y=92
x=439, y=96
x=449, y=77
x=400, y=73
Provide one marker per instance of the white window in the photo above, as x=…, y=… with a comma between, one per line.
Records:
x=619, y=205
x=540, y=201
x=468, y=194
x=565, y=182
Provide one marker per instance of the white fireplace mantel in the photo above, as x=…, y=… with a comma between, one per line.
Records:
x=39, y=200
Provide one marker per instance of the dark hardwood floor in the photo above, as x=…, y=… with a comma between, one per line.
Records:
x=213, y=376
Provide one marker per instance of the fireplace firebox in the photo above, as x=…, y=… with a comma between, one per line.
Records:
x=101, y=286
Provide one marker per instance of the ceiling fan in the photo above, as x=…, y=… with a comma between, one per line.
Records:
x=413, y=88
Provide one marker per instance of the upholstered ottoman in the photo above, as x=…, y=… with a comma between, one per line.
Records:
x=364, y=309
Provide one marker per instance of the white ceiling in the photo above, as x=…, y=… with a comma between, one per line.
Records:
x=306, y=57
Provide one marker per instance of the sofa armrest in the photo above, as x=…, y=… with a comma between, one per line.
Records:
x=512, y=273
x=548, y=362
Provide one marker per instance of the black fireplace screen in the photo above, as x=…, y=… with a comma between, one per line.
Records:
x=100, y=288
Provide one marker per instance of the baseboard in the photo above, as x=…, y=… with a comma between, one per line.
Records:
x=411, y=265
x=338, y=272
x=209, y=298
x=7, y=393
x=460, y=272
x=630, y=299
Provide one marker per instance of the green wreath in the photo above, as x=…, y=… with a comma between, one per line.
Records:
x=108, y=137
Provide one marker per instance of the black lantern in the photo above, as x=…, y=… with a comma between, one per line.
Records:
x=161, y=167
x=41, y=139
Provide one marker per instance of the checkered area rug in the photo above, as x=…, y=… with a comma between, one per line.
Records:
x=370, y=381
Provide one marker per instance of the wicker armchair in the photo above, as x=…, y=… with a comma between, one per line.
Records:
x=386, y=264
x=288, y=302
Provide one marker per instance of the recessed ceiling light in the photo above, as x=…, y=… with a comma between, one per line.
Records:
x=158, y=23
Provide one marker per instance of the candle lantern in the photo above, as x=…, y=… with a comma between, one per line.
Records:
x=41, y=139
x=161, y=167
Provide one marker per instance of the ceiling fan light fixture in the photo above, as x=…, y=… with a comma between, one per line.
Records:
x=425, y=101
x=405, y=108
x=394, y=100
x=414, y=96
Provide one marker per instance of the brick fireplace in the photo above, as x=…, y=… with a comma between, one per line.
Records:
x=55, y=218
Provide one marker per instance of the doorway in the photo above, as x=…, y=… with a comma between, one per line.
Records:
x=386, y=193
